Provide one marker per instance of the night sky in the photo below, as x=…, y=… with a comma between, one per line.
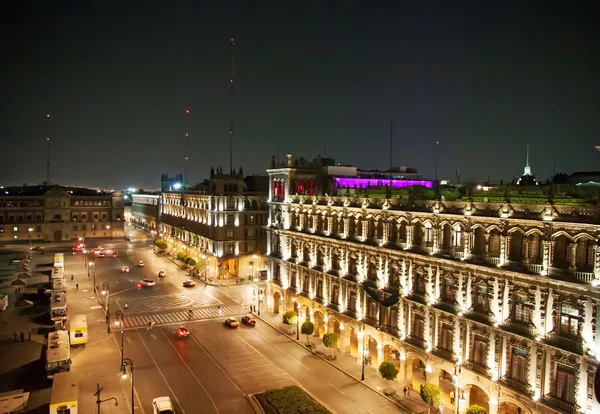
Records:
x=314, y=76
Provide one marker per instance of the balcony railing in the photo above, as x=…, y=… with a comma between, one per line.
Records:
x=519, y=329
x=480, y=368
x=560, y=405
x=520, y=386
x=571, y=275
x=445, y=354
x=568, y=344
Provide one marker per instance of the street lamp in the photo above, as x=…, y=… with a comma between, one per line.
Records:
x=362, y=373
x=106, y=291
x=297, y=306
x=30, y=230
x=127, y=362
x=119, y=314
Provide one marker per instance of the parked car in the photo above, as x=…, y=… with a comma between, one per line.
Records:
x=125, y=269
x=162, y=273
x=147, y=282
x=162, y=405
x=182, y=332
x=232, y=323
x=141, y=263
x=248, y=320
x=189, y=283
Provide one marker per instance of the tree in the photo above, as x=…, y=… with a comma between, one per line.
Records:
x=162, y=246
x=308, y=328
x=476, y=409
x=289, y=318
x=388, y=372
x=191, y=262
x=180, y=256
x=200, y=265
x=330, y=340
x=430, y=393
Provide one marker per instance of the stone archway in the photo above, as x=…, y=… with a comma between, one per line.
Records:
x=353, y=343
x=319, y=324
x=333, y=326
x=476, y=395
x=276, y=300
x=305, y=311
x=371, y=348
x=447, y=396
x=392, y=354
x=415, y=374
x=512, y=407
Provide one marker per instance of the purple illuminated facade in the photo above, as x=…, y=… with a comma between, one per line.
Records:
x=347, y=182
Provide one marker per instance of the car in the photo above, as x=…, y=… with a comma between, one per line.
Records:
x=189, y=283
x=182, y=332
x=232, y=323
x=125, y=269
x=162, y=273
x=101, y=254
x=248, y=320
x=147, y=282
x=114, y=255
x=141, y=263
x=162, y=405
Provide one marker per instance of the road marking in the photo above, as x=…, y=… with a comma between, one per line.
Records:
x=159, y=371
x=275, y=345
x=96, y=307
x=191, y=372
x=342, y=392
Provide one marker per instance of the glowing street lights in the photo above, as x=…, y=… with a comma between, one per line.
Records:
x=120, y=323
x=297, y=310
x=30, y=230
x=361, y=334
x=127, y=362
x=106, y=292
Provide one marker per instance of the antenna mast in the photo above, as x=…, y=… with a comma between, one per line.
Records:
x=231, y=49
x=48, y=155
x=186, y=170
x=391, y=143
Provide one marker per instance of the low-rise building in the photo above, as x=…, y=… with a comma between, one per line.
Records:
x=54, y=214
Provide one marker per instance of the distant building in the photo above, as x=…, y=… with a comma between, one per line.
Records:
x=585, y=178
x=145, y=211
x=223, y=227
x=55, y=214
x=527, y=179
x=174, y=183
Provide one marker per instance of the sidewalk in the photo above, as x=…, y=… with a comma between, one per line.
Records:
x=211, y=280
x=349, y=365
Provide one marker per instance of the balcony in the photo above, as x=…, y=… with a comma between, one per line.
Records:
x=416, y=342
x=444, y=353
x=571, y=275
x=519, y=328
x=568, y=344
x=477, y=367
x=517, y=385
x=560, y=405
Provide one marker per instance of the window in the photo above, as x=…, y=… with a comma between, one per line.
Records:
x=38, y=217
x=306, y=284
x=78, y=334
x=38, y=229
x=319, y=292
x=1, y=229
x=75, y=217
x=57, y=217
x=104, y=217
x=230, y=234
x=29, y=217
x=15, y=229
x=518, y=365
x=479, y=351
x=569, y=321
x=95, y=216
x=75, y=227
x=419, y=287
x=522, y=309
x=94, y=227
x=445, y=341
x=335, y=294
x=418, y=327
x=231, y=248
x=481, y=299
x=564, y=385
x=251, y=219
x=250, y=246
x=250, y=233
x=457, y=237
x=83, y=217
x=230, y=218
x=449, y=292
x=428, y=233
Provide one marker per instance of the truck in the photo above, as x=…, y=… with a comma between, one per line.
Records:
x=77, y=327
x=65, y=393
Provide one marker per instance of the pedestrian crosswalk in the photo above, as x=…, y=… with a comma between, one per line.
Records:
x=136, y=321
x=159, y=303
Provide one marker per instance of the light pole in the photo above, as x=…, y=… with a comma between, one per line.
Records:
x=362, y=373
x=106, y=292
x=30, y=230
x=127, y=362
x=297, y=309
x=119, y=314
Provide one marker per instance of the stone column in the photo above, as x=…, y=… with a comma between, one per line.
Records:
x=346, y=227
x=573, y=264
x=467, y=248
x=526, y=249
x=330, y=224
x=487, y=244
x=365, y=229
x=409, y=236
x=385, y=237
x=596, y=262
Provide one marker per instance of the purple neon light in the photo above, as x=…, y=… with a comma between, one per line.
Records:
x=378, y=182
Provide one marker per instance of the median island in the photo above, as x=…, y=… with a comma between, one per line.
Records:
x=289, y=400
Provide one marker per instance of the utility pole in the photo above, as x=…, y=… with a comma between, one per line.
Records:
x=99, y=401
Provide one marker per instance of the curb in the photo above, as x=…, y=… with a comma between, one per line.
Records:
x=258, y=409
x=336, y=367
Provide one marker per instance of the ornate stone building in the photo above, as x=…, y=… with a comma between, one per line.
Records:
x=56, y=214
x=145, y=211
x=494, y=302
x=224, y=226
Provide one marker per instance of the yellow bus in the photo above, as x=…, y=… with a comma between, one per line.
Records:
x=58, y=353
x=65, y=393
x=77, y=327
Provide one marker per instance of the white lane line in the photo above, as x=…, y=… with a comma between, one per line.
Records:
x=341, y=392
x=276, y=346
x=159, y=371
x=192, y=372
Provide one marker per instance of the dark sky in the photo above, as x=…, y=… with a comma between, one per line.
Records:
x=483, y=80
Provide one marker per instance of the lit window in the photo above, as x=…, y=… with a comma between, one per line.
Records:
x=15, y=228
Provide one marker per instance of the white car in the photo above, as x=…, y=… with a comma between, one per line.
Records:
x=162, y=273
x=162, y=405
x=125, y=269
x=147, y=282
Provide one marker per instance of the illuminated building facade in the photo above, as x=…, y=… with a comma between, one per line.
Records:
x=223, y=226
x=494, y=302
x=57, y=214
x=145, y=211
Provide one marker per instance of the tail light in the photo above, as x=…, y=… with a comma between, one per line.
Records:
x=139, y=285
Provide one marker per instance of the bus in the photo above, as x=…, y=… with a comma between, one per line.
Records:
x=58, y=353
x=77, y=328
x=59, y=260
x=58, y=273
x=58, y=308
x=59, y=286
x=65, y=393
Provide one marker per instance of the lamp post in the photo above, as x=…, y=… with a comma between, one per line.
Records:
x=362, y=373
x=106, y=292
x=119, y=314
x=457, y=384
x=127, y=362
x=297, y=310
x=30, y=230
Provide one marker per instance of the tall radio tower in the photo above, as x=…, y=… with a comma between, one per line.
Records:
x=48, y=117
x=231, y=55
x=186, y=170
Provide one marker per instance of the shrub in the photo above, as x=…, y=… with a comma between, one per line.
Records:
x=308, y=328
x=330, y=340
x=293, y=400
x=476, y=409
x=180, y=256
x=430, y=393
x=191, y=262
x=162, y=246
x=388, y=371
x=186, y=259
x=289, y=318
x=200, y=265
